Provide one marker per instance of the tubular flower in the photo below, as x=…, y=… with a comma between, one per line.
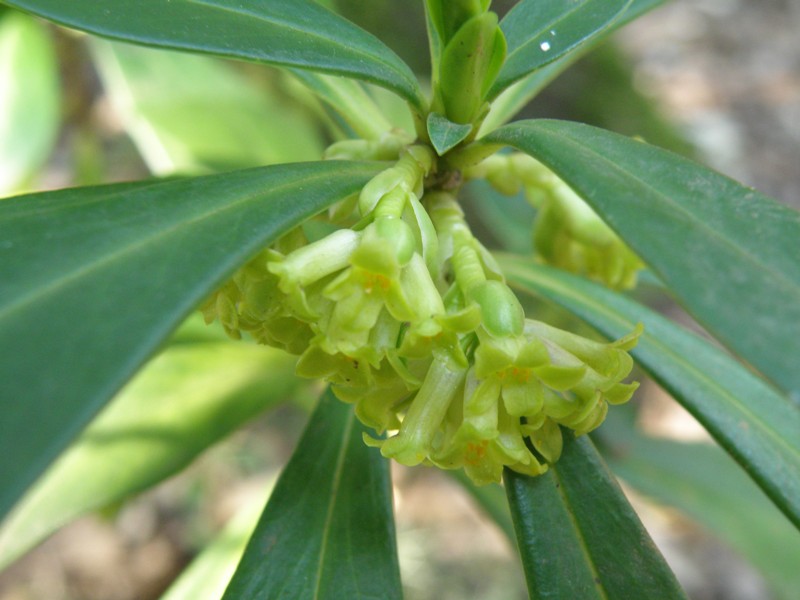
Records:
x=409, y=318
x=568, y=234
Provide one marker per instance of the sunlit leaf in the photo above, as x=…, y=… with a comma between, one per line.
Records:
x=188, y=398
x=210, y=572
x=29, y=99
x=189, y=113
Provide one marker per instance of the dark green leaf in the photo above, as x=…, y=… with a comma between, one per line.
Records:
x=757, y=426
x=444, y=133
x=540, y=31
x=289, y=33
x=515, y=97
x=185, y=400
x=328, y=529
x=579, y=537
x=729, y=254
x=29, y=97
x=94, y=279
x=704, y=483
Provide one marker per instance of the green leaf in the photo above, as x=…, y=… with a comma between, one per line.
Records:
x=327, y=530
x=702, y=482
x=445, y=134
x=29, y=97
x=728, y=253
x=755, y=425
x=350, y=101
x=186, y=399
x=288, y=33
x=189, y=113
x=578, y=536
x=539, y=32
x=94, y=280
x=516, y=96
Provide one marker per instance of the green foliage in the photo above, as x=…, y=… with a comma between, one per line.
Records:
x=365, y=265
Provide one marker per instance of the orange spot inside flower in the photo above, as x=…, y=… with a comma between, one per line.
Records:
x=375, y=280
x=518, y=374
x=475, y=452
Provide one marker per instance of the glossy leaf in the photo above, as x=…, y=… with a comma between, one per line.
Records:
x=327, y=530
x=728, y=253
x=94, y=279
x=187, y=399
x=190, y=114
x=29, y=98
x=445, y=134
x=579, y=537
x=539, y=32
x=702, y=482
x=288, y=33
x=517, y=95
x=754, y=424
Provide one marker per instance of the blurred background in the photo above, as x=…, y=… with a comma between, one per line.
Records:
x=716, y=80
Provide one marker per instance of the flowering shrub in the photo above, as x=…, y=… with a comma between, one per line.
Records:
x=364, y=268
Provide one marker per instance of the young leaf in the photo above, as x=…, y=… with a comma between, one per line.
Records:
x=191, y=114
x=748, y=418
x=94, y=280
x=728, y=253
x=702, y=482
x=29, y=97
x=579, y=537
x=539, y=32
x=444, y=133
x=185, y=400
x=327, y=530
x=288, y=33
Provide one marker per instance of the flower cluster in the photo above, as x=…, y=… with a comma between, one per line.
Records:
x=408, y=317
x=568, y=234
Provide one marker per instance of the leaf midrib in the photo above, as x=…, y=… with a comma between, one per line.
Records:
x=38, y=293
x=579, y=537
x=334, y=497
